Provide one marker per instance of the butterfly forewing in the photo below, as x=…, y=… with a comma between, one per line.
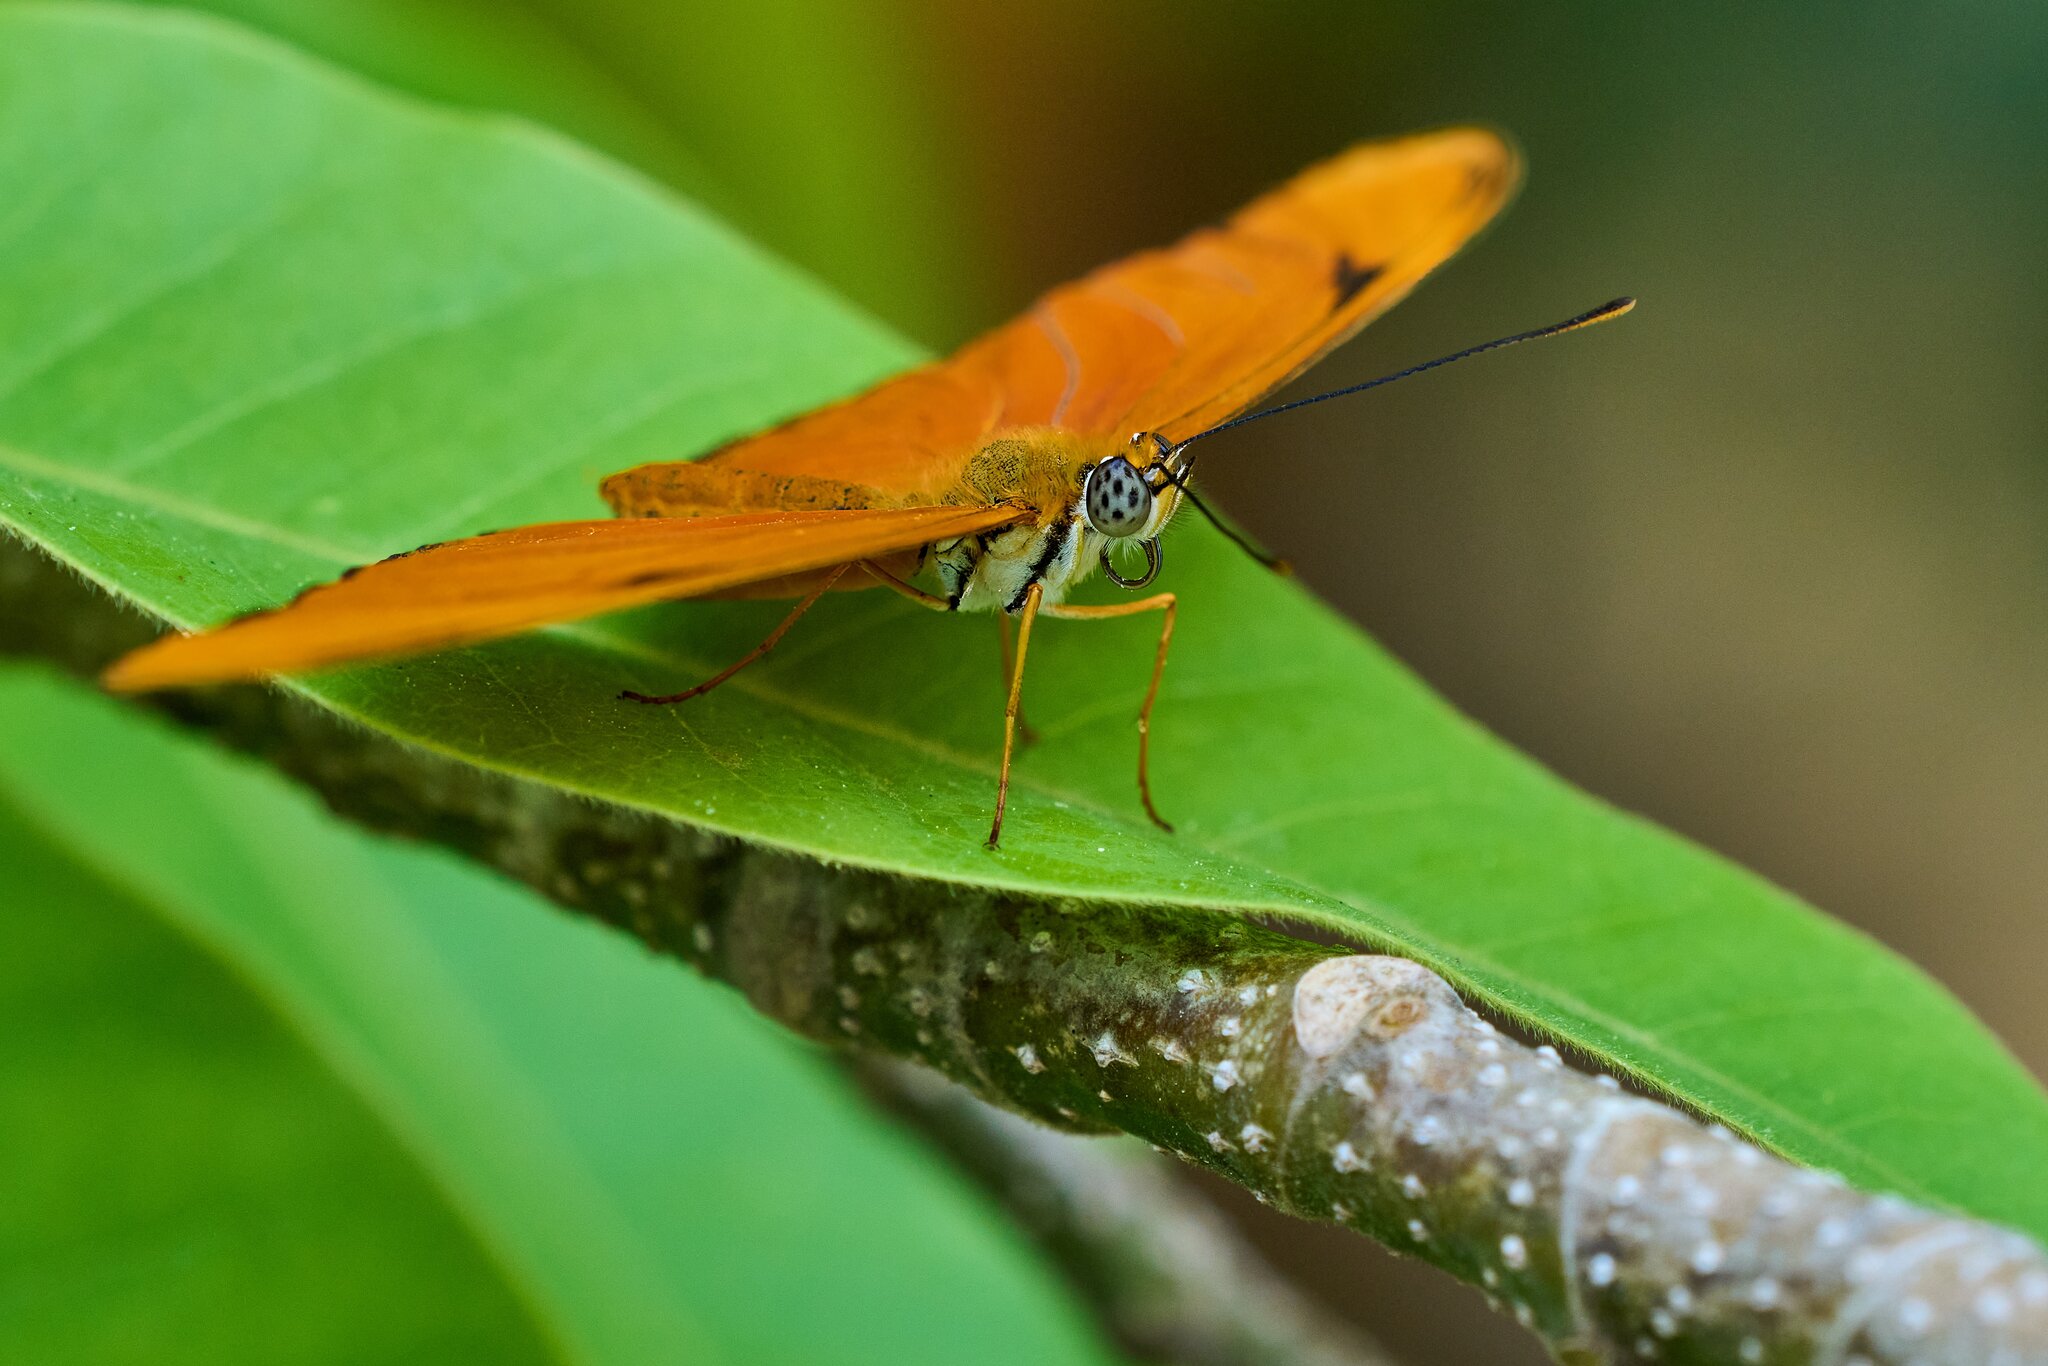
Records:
x=1301, y=270
x=1174, y=340
x=466, y=591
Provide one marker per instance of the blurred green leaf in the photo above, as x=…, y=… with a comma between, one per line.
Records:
x=806, y=122
x=264, y=323
x=277, y=1091
x=504, y=55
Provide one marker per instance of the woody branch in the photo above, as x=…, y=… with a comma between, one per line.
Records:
x=1164, y=1269
x=1338, y=1087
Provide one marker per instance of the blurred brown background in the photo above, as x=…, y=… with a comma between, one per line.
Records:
x=1767, y=562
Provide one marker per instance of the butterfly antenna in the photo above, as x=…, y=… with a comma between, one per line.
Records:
x=1237, y=538
x=1613, y=309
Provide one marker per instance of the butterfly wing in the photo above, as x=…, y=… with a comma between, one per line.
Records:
x=1174, y=340
x=907, y=437
x=1234, y=312
x=461, y=592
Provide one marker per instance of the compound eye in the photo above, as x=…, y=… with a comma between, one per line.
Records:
x=1117, y=498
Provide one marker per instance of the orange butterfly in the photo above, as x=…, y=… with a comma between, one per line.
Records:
x=1003, y=473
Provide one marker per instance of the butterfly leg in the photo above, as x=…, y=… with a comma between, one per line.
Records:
x=1024, y=620
x=907, y=590
x=810, y=600
x=1165, y=604
x=1026, y=736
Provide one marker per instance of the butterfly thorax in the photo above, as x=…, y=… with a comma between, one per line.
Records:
x=1044, y=470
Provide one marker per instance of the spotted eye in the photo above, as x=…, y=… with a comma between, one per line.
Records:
x=1117, y=498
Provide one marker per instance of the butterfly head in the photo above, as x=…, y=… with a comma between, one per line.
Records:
x=1133, y=492
x=1131, y=495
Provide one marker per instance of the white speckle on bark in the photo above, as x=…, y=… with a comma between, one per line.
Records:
x=1108, y=1052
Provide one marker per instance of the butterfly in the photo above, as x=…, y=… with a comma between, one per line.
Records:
x=994, y=480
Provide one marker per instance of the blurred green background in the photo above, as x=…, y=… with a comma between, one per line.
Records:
x=1767, y=562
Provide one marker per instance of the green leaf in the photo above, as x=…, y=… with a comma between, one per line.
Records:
x=804, y=121
x=276, y=1090
x=503, y=55
x=264, y=322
